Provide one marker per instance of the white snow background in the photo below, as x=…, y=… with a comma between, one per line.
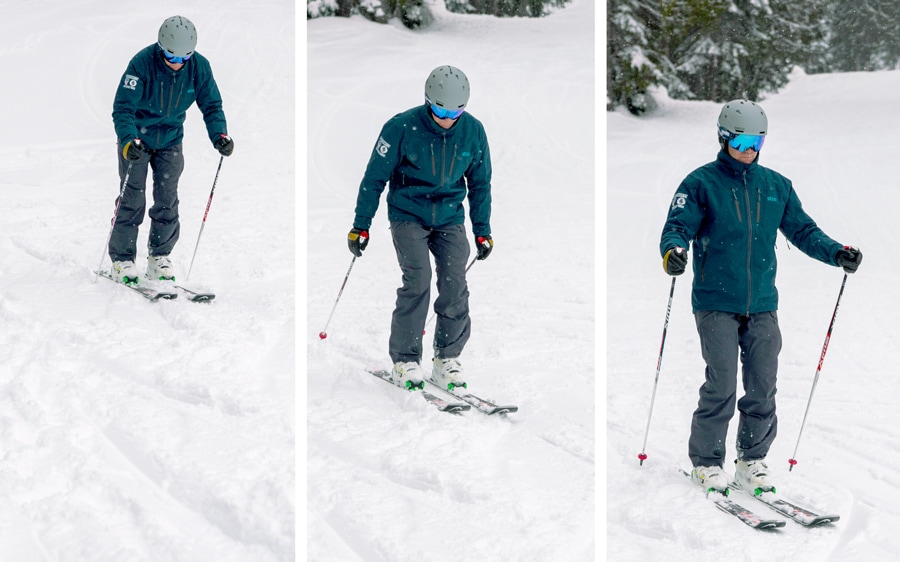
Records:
x=390, y=478
x=132, y=430
x=833, y=136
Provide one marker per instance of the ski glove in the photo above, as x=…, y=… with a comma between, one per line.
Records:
x=224, y=145
x=136, y=151
x=484, y=245
x=849, y=258
x=675, y=261
x=357, y=240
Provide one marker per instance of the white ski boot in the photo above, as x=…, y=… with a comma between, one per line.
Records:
x=711, y=479
x=447, y=372
x=753, y=476
x=124, y=272
x=408, y=375
x=160, y=267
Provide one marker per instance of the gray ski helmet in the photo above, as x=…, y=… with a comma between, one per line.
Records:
x=178, y=36
x=447, y=87
x=741, y=117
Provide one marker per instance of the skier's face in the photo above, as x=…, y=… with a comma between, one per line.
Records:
x=443, y=123
x=746, y=157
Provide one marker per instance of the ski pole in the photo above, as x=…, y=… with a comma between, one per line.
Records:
x=643, y=456
x=202, y=224
x=793, y=460
x=112, y=223
x=433, y=314
x=324, y=333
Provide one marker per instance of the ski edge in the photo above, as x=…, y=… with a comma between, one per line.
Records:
x=195, y=296
x=484, y=406
x=789, y=509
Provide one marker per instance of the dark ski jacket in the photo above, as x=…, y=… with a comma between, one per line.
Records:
x=152, y=100
x=732, y=212
x=430, y=170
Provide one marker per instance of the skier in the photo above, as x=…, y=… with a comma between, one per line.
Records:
x=434, y=156
x=161, y=82
x=731, y=210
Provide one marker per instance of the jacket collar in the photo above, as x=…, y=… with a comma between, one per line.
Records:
x=425, y=114
x=160, y=62
x=734, y=167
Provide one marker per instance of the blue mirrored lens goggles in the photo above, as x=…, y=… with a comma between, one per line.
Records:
x=175, y=60
x=746, y=142
x=443, y=113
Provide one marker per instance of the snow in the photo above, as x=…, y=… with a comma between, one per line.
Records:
x=840, y=154
x=389, y=478
x=132, y=430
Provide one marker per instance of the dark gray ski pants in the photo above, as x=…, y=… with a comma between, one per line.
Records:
x=414, y=244
x=724, y=337
x=167, y=165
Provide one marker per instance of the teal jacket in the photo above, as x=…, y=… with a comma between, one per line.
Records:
x=732, y=212
x=152, y=100
x=431, y=172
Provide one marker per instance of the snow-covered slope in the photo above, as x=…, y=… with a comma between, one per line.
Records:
x=132, y=430
x=833, y=136
x=389, y=477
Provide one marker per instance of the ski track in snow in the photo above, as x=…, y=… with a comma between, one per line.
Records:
x=390, y=478
x=132, y=430
x=849, y=451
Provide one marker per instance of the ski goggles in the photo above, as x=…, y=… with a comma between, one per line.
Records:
x=742, y=143
x=176, y=60
x=444, y=113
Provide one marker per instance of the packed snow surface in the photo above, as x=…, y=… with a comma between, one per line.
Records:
x=832, y=135
x=132, y=430
x=390, y=478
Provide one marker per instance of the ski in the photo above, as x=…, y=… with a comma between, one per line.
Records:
x=746, y=516
x=436, y=401
x=484, y=406
x=794, y=512
x=146, y=292
x=195, y=296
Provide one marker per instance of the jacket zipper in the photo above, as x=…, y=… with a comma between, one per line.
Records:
x=441, y=183
x=433, y=163
x=173, y=102
x=703, y=263
x=758, y=205
x=749, y=240
x=453, y=160
x=737, y=206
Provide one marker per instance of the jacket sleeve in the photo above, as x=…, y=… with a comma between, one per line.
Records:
x=685, y=215
x=384, y=159
x=209, y=100
x=128, y=96
x=799, y=228
x=478, y=181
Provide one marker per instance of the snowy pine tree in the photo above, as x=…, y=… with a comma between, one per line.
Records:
x=864, y=35
x=710, y=49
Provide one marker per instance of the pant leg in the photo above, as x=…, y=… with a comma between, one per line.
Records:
x=131, y=209
x=167, y=165
x=709, y=426
x=454, y=326
x=760, y=342
x=411, y=310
